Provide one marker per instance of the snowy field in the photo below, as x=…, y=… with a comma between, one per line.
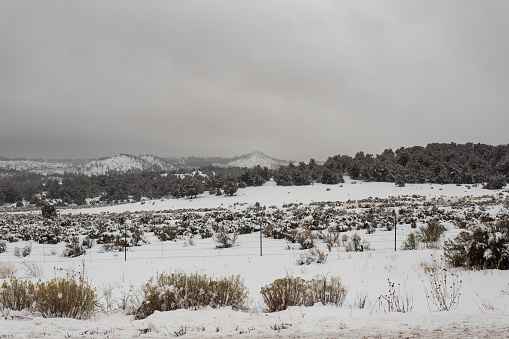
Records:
x=482, y=310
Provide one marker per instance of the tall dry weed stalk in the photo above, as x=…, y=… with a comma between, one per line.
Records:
x=443, y=288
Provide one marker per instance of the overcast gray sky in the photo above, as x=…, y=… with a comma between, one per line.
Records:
x=294, y=79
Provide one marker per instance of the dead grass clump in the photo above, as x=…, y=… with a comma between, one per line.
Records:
x=361, y=300
x=395, y=300
x=32, y=269
x=7, y=270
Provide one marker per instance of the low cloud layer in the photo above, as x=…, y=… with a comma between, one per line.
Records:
x=295, y=79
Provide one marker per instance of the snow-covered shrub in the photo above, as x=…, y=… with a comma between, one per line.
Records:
x=67, y=297
x=3, y=246
x=306, y=240
x=166, y=233
x=17, y=294
x=411, y=242
x=88, y=242
x=331, y=238
x=311, y=256
x=481, y=247
x=49, y=211
x=111, y=247
x=74, y=248
x=245, y=227
x=495, y=182
x=292, y=235
x=224, y=239
x=206, y=233
x=289, y=291
x=356, y=244
x=181, y=291
x=23, y=252
x=431, y=233
x=275, y=231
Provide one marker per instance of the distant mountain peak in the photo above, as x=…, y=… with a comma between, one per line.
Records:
x=257, y=158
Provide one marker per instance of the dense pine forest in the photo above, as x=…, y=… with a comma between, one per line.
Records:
x=435, y=163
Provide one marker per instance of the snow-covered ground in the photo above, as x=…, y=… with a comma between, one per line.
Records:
x=482, y=311
x=272, y=195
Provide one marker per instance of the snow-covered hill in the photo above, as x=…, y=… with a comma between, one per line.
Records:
x=119, y=163
x=123, y=163
x=257, y=158
x=126, y=162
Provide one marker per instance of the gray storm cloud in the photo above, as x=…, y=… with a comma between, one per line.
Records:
x=295, y=79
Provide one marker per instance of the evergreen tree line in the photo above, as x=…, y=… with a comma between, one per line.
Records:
x=435, y=163
x=16, y=186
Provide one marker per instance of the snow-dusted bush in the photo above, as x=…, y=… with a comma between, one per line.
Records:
x=181, y=291
x=483, y=246
x=431, y=233
x=74, y=248
x=356, y=244
x=275, y=231
x=166, y=233
x=306, y=240
x=111, y=247
x=411, y=242
x=23, y=252
x=331, y=238
x=224, y=239
x=3, y=246
x=88, y=242
x=206, y=233
x=311, y=256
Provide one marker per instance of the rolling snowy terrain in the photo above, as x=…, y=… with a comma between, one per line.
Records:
x=482, y=309
x=125, y=162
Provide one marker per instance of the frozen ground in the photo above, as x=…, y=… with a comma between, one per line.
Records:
x=482, y=311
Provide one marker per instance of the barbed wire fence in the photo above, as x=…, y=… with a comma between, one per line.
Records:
x=44, y=253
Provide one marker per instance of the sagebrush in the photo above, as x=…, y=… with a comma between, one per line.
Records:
x=295, y=291
x=179, y=290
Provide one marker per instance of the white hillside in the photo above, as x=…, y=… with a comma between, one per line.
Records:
x=40, y=166
x=257, y=158
x=124, y=163
x=120, y=163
